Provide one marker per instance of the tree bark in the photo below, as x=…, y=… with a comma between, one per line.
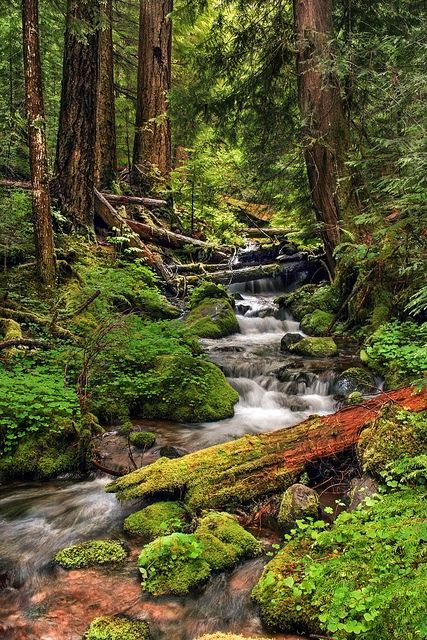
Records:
x=42, y=221
x=322, y=115
x=246, y=274
x=75, y=158
x=152, y=144
x=106, y=152
x=237, y=472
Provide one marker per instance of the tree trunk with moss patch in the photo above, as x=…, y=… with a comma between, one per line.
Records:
x=251, y=467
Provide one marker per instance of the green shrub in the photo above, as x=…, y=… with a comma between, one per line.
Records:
x=91, y=553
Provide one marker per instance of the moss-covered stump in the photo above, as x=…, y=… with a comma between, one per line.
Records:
x=142, y=439
x=364, y=577
x=317, y=323
x=213, y=318
x=189, y=390
x=297, y=502
x=315, y=347
x=355, y=379
x=239, y=471
x=173, y=565
x=90, y=554
x=394, y=434
x=158, y=519
x=115, y=628
x=225, y=541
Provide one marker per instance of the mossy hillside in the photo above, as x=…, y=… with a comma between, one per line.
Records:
x=213, y=318
x=309, y=298
x=315, y=348
x=394, y=434
x=115, y=628
x=363, y=577
x=142, y=439
x=90, y=554
x=158, y=519
x=317, y=323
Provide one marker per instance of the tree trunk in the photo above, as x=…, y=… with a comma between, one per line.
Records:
x=42, y=221
x=75, y=157
x=322, y=115
x=152, y=144
x=237, y=472
x=106, y=152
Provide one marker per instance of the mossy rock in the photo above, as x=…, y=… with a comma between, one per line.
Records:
x=355, y=379
x=225, y=541
x=90, y=554
x=213, y=318
x=142, y=439
x=173, y=565
x=208, y=290
x=315, y=347
x=298, y=502
x=394, y=434
x=308, y=298
x=317, y=323
x=159, y=519
x=115, y=628
x=190, y=390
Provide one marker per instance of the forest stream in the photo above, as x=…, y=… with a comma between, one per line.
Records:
x=40, y=601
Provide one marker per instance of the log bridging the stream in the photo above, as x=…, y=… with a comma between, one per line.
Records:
x=237, y=472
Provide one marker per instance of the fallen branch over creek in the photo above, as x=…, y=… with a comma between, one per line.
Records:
x=242, y=470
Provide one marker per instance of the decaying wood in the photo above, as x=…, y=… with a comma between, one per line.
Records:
x=24, y=342
x=88, y=302
x=110, y=472
x=150, y=203
x=28, y=316
x=244, y=274
x=273, y=232
x=199, y=267
x=254, y=466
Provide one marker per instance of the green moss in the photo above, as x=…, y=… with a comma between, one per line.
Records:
x=317, y=323
x=309, y=298
x=355, y=379
x=380, y=315
x=207, y=290
x=156, y=520
x=189, y=390
x=91, y=553
x=173, y=565
x=227, y=636
x=213, y=318
x=315, y=347
x=297, y=502
x=225, y=541
x=114, y=628
x=394, y=434
x=142, y=439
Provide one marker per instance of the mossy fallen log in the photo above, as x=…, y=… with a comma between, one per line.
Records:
x=226, y=475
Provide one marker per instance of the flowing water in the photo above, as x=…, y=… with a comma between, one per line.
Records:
x=41, y=602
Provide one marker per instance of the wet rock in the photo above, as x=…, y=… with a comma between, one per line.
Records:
x=361, y=488
x=242, y=309
x=298, y=502
x=172, y=452
x=355, y=379
x=158, y=519
x=213, y=318
x=289, y=339
x=90, y=554
x=317, y=323
x=300, y=377
x=315, y=347
x=114, y=628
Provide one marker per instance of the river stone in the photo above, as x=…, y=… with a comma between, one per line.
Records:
x=361, y=488
x=315, y=347
x=298, y=502
x=288, y=339
x=317, y=323
x=171, y=452
x=115, y=628
x=354, y=379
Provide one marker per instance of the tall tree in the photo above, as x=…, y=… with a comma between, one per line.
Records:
x=42, y=220
x=106, y=151
x=322, y=115
x=75, y=157
x=152, y=145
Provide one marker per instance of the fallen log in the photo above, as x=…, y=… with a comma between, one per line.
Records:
x=27, y=316
x=273, y=232
x=137, y=200
x=24, y=342
x=112, y=219
x=245, y=274
x=237, y=472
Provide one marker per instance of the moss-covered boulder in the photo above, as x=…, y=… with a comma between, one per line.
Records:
x=208, y=290
x=225, y=541
x=315, y=347
x=90, y=554
x=317, y=323
x=186, y=389
x=298, y=502
x=306, y=299
x=173, y=564
x=355, y=379
x=158, y=519
x=394, y=434
x=115, y=628
x=288, y=339
x=213, y=318
x=142, y=439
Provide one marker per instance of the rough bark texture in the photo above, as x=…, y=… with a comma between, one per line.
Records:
x=42, y=221
x=152, y=145
x=106, y=152
x=322, y=114
x=251, y=467
x=75, y=157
